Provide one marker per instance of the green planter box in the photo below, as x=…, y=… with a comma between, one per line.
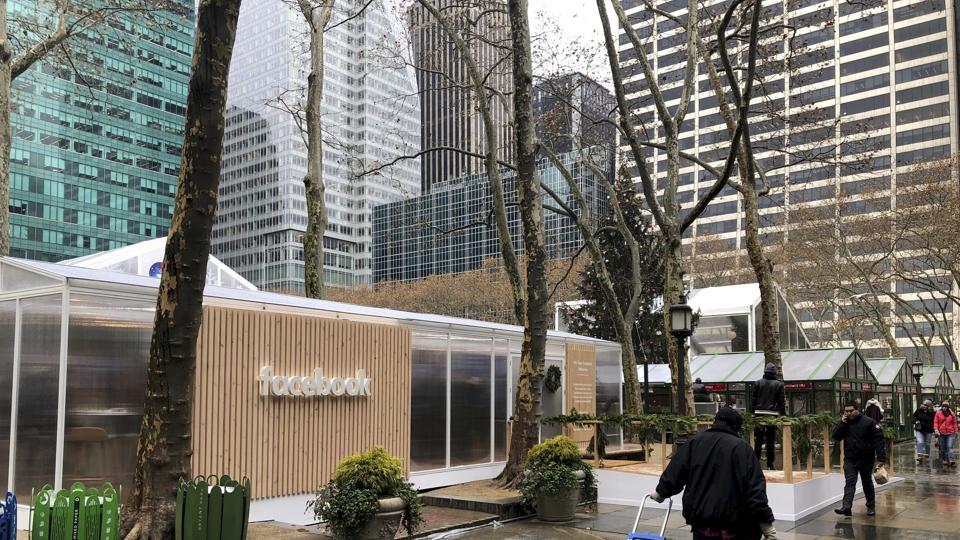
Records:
x=213, y=509
x=76, y=514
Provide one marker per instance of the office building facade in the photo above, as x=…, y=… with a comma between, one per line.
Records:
x=432, y=234
x=370, y=117
x=97, y=136
x=449, y=114
x=869, y=87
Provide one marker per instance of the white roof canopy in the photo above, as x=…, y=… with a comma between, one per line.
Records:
x=146, y=258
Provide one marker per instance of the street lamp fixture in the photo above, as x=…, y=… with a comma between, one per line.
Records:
x=681, y=326
x=917, y=368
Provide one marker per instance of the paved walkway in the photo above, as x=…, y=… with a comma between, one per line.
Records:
x=926, y=506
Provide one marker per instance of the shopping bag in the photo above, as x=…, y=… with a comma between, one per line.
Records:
x=880, y=475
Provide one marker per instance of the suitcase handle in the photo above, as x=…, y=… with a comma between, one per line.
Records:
x=663, y=527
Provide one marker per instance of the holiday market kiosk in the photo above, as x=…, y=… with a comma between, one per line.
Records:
x=285, y=386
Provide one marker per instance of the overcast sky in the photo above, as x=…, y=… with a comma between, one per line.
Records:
x=570, y=37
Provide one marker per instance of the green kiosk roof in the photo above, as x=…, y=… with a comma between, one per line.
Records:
x=886, y=369
x=931, y=376
x=800, y=365
x=954, y=378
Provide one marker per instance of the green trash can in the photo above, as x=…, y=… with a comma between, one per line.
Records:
x=76, y=514
x=213, y=508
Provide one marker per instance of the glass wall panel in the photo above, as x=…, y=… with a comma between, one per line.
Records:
x=428, y=415
x=15, y=279
x=608, y=389
x=500, y=413
x=37, y=402
x=721, y=334
x=8, y=320
x=108, y=351
x=470, y=388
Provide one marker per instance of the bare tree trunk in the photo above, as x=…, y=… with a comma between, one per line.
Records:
x=763, y=270
x=526, y=428
x=165, y=447
x=317, y=18
x=6, y=56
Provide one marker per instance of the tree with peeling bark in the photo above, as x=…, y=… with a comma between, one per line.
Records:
x=660, y=192
x=164, y=447
x=24, y=41
x=317, y=16
x=527, y=278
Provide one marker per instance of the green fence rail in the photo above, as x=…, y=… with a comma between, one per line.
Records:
x=78, y=513
x=213, y=508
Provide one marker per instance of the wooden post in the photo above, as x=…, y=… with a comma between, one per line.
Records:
x=596, y=445
x=826, y=450
x=841, y=456
x=752, y=441
x=788, y=453
x=809, y=433
x=663, y=450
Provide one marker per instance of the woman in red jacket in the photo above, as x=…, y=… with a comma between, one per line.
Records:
x=945, y=427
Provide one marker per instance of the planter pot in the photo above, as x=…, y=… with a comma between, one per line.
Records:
x=385, y=523
x=559, y=506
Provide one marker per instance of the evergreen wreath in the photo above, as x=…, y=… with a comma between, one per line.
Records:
x=552, y=381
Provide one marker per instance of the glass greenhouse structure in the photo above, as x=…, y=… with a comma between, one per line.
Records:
x=75, y=341
x=730, y=319
x=897, y=392
x=814, y=379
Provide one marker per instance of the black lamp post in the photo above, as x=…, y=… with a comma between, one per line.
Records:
x=681, y=326
x=917, y=368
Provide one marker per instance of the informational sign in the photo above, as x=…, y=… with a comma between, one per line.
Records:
x=884, y=388
x=867, y=386
x=845, y=386
x=316, y=385
x=797, y=386
x=715, y=387
x=581, y=388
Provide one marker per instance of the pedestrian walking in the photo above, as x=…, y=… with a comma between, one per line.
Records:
x=768, y=400
x=700, y=394
x=863, y=452
x=923, y=429
x=874, y=410
x=726, y=493
x=945, y=428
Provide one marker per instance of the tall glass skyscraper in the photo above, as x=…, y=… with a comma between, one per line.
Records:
x=96, y=150
x=852, y=96
x=370, y=117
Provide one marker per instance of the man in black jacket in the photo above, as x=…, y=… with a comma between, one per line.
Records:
x=769, y=399
x=724, y=491
x=863, y=445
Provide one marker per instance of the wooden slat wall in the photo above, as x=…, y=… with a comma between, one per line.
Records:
x=287, y=445
x=584, y=357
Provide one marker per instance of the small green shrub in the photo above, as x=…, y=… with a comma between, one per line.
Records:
x=551, y=468
x=351, y=497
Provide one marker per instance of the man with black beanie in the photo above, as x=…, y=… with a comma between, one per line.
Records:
x=724, y=491
x=769, y=400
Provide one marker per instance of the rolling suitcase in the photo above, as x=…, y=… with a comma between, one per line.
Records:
x=634, y=535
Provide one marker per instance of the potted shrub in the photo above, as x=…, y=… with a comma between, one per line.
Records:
x=368, y=498
x=555, y=479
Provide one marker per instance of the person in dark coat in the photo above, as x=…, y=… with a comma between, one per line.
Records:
x=769, y=399
x=724, y=491
x=923, y=429
x=874, y=410
x=700, y=394
x=863, y=448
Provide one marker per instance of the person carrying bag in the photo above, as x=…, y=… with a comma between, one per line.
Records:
x=923, y=429
x=945, y=427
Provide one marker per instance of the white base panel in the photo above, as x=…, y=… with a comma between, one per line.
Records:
x=449, y=477
x=789, y=502
x=291, y=509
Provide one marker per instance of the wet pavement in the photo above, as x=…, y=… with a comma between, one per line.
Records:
x=925, y=506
